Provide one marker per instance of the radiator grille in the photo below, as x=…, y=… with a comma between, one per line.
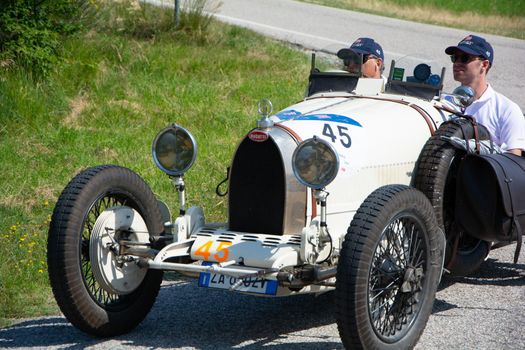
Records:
x=257, y=188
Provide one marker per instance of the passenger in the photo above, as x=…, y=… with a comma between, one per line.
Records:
x=472, y=59
x=372, y=65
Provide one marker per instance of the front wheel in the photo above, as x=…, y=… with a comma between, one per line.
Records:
x=389, y=270
x=100, y=291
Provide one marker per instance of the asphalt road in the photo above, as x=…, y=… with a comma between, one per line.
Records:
x=316, y=27
x=485, y=311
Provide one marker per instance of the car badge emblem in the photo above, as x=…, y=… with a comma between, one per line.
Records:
x=258, y=136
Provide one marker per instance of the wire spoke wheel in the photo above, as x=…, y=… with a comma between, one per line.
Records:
x=85, y=272
x=388, y=271
x=396, y=276
x=105, y=299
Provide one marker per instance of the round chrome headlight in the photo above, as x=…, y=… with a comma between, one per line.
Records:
x=315, y=163
x=174, y=150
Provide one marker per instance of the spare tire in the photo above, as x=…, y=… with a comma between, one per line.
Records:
x=435, y=176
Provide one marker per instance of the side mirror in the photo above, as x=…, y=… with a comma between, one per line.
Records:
x=352, y=62
x=463, y=95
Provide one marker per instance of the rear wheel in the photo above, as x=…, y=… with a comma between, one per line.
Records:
x=388, y=270
x=99, y=291
x=435, y=176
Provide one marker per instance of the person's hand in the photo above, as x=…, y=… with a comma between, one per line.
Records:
x=515, y=151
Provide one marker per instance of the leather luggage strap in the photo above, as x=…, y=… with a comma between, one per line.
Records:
x=476, y=132
x=474, y=124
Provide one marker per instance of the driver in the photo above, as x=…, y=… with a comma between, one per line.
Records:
x=372, y=65
x=472, y=59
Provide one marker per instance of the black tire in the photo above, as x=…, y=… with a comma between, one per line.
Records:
x=435, y=176
x=79, y=295
x=388, y=271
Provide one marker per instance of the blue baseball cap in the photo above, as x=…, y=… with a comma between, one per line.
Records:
x=364, y=46
x=473, y=45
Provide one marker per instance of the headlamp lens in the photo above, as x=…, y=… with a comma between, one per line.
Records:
x=315, y=163
x=174, y=150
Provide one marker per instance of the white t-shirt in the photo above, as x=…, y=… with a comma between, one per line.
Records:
x=502, y=117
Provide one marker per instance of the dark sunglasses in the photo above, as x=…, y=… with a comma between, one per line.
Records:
x=355, y=60
x=465, y=58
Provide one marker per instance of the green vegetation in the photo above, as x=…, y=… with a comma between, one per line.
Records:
x=31, y=30
x=484, y=7
x=103, y=103
x=501, y=17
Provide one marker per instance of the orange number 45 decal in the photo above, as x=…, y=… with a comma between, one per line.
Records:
x=220, y=252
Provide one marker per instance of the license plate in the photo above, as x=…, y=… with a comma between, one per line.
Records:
x=255, y=285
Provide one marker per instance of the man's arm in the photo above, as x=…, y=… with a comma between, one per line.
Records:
x=516, y=151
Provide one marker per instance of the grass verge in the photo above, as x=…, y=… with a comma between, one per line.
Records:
x=500, y=17
x=103, y=105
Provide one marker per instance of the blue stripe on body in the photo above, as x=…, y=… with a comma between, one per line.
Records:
x=336, y=118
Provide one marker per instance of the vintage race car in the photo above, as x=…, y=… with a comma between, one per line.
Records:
x=349, y=190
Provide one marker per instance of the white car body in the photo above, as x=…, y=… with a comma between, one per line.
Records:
x=378, y=137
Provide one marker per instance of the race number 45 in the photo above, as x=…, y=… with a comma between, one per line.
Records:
x=341, y=135
x=219, y=250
